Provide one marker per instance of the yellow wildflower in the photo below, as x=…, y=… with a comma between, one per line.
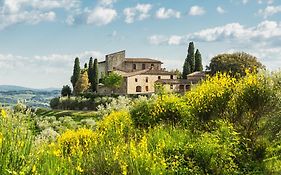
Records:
x=1, y=137
x=3, y=113
x=79, y=169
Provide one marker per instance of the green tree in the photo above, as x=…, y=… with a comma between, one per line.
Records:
x=186, y=69
x=85, y=66
x=191, y=57
x=113, y=81
x=235, y=63
x=198, y=61
x=76, y=72
x=95, y=76
x=189, y=62
x=66, y=91
x=82, y=85
x=91, y=73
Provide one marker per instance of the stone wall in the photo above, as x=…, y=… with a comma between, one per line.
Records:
x=114, y=60
x=146, y=87
x=128, y=66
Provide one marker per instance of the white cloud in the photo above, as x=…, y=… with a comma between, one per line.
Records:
x=41, y=71
x=140, y=12
x=220, y=10
x=269, y=11
x=101, y=16
x=163, y=13
x=107, y=2
x=245, y=1
x=266, y=30
x=196, y=11
x=32, y=17
x=32, y=11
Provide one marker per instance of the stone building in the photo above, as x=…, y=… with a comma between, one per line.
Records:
x=139, y=75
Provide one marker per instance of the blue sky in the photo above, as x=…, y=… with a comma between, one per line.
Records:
x=39, y=39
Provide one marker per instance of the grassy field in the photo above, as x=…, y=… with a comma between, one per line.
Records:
x=76, y=115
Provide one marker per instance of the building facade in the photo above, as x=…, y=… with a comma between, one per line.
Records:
x=139, y=75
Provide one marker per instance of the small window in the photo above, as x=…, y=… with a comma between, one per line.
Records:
x=152, y=65
x=138, y=89
x=172, y=77
x=134, y=66
x=143, y=66
x=146, y=80
x=159, y=77
x=171, y=86
x=146, y=88
x=187, y=87
x=136, y=80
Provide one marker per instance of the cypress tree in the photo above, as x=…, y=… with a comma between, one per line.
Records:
x=85, y=66
x=76, y=72
x=198, y=61
x=188, y=66
x=95, y=76
x=191, y=57
x=91, y=73
x=186, y=69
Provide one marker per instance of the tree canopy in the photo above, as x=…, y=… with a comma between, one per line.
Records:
x=234, y=63
x=65, y=91
x=76, y=72
x=113, y=80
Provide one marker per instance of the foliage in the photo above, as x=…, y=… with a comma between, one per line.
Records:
x=189, y=63
x=224, y=125
x=113, y=80
x=210, y=99
x=82, y=85
x=76, y=72
x=96, y=76
x=65, y=91
x=235, y=63
x=198, y=61
x=90, y=72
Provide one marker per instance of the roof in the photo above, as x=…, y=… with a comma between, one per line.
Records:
x=192, y=78
x=142, y=60
x=144, y=72
x=158, y=72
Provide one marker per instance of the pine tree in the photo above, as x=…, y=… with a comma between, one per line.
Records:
x=191, y=57
x=82, y=84
x=91, y=73
x=198, y=61
x=76, y=72
x=95, y=76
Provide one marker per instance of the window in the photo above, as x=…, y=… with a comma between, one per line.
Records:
x=136, y=80
x=134, y=66
x=182, y=87
x=159, y=77
x=187, y=87
x=146, y=88
x=171, y=77
x=171, y=86
x=143, y=66
x=152, y=65
x=146, y=79
x=138, y=89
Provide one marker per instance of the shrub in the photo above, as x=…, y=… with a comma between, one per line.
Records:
x=167, y=108
x=209, y=100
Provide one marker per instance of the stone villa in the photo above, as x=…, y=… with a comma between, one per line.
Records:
x=141, y=74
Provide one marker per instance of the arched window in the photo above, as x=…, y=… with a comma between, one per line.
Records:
x=134, y=66
x=146, y=79
x=138, y=89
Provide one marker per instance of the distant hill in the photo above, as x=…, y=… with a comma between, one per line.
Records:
x=20, y=88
